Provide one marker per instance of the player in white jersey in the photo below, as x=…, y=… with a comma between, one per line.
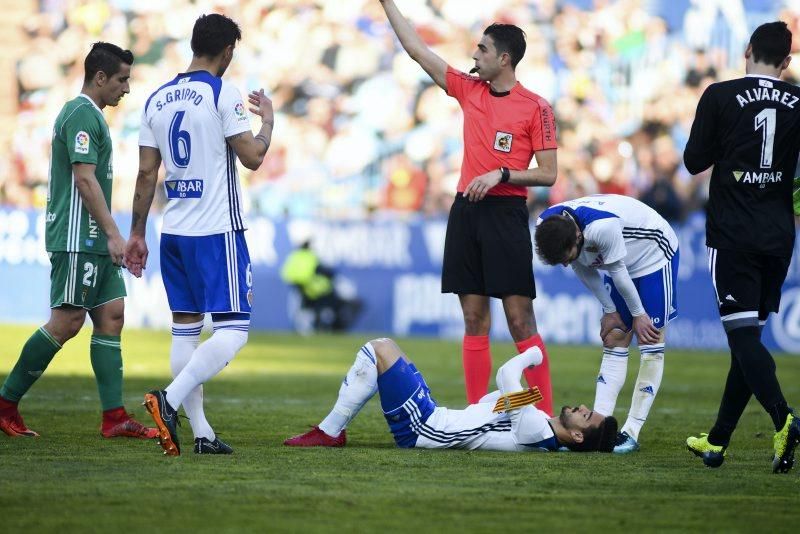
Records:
x=638, y=250
x=416, y=421
x=196, y=123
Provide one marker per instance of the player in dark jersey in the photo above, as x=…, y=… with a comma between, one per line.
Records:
x=749, y=130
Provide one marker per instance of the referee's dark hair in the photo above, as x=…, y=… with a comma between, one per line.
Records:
x=601, y=438
x=771, y=43
x=105, y=57
x=508, y=39
x=555, y=237
x=212, y=33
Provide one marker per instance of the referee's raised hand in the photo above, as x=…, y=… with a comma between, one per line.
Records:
x=480, y=185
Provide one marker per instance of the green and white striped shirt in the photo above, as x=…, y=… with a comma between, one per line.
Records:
x=80, y=135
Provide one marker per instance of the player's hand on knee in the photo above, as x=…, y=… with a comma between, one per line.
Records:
x=646, y=332
x=609, y=322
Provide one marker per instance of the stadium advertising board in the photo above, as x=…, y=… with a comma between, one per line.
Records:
x=394, y=267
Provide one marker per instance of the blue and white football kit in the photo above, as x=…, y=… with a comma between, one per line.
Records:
x=205, y=261
x=205, y=264
x=416, y=421
x=617, y=228
x=639, y=252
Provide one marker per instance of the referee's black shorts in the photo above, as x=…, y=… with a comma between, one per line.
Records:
x=488, y=249
x=747, y=285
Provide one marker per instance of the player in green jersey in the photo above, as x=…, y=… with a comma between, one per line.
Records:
x=85, y=249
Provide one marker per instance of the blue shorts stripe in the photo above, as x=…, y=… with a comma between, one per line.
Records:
x=397, y=386
x=233, y=286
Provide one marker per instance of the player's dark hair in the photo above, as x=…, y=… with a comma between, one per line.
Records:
x=771, y=43
x=509, y=39
x=555, y=237
x=212, y=33
x=105, y=57
x=600, y=439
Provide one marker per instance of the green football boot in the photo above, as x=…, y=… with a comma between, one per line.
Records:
x=796, y=196
x=712, y=455
x=785, y=441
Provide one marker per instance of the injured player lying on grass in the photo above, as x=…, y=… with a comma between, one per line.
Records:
x=504, y=420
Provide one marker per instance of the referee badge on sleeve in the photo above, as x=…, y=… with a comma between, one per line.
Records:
x=502, y=141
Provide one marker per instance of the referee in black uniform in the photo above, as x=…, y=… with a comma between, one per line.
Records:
x=749, y=130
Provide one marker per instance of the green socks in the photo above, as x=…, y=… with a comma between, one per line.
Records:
x=39, y=351
x=36, y=355
x=107, y=364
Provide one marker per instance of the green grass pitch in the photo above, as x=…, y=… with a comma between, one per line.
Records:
x=72, y=480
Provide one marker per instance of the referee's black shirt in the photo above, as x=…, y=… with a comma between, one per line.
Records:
x=749, y=130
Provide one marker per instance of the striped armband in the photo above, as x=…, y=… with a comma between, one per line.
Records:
x=512, y=401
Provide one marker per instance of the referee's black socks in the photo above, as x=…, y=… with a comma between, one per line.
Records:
x=758, y=368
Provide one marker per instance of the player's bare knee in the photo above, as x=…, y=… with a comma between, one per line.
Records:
x=661, y=337
x=387, y=352
x=617, y=338
x=113, y=323
x=109, y=318
x=65, y=327
x=379, y=344
x=384, y=348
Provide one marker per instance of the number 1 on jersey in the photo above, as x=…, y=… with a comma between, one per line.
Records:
x=180, y=144
x=766, y=120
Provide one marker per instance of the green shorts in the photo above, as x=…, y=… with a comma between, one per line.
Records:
x=84, y=280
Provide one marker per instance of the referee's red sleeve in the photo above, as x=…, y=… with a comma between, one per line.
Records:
x=543, y=127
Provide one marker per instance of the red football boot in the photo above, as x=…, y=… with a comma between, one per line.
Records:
x=317, y=438
x=12, y=424
x=119, y=424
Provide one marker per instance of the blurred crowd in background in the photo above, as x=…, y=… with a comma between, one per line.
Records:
x=361, y=130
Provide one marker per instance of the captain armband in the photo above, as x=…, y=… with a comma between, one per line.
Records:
x=512, y=401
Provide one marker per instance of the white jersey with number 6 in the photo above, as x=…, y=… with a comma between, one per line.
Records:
x=188, y=120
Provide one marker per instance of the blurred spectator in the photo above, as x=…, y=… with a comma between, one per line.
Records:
x=322, y=308
x=358, y=125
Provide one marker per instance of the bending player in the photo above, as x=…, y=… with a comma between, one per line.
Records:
x=504, y=420
x=639, y=251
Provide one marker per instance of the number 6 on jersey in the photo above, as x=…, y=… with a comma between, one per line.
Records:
x=180, y=144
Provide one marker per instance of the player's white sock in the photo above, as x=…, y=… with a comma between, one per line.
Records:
x=651, y=369
x=185, y=338
x=610, y=379
x=208, y=359
x=358, y=386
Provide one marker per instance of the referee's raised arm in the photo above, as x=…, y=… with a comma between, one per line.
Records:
x=435, y=66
